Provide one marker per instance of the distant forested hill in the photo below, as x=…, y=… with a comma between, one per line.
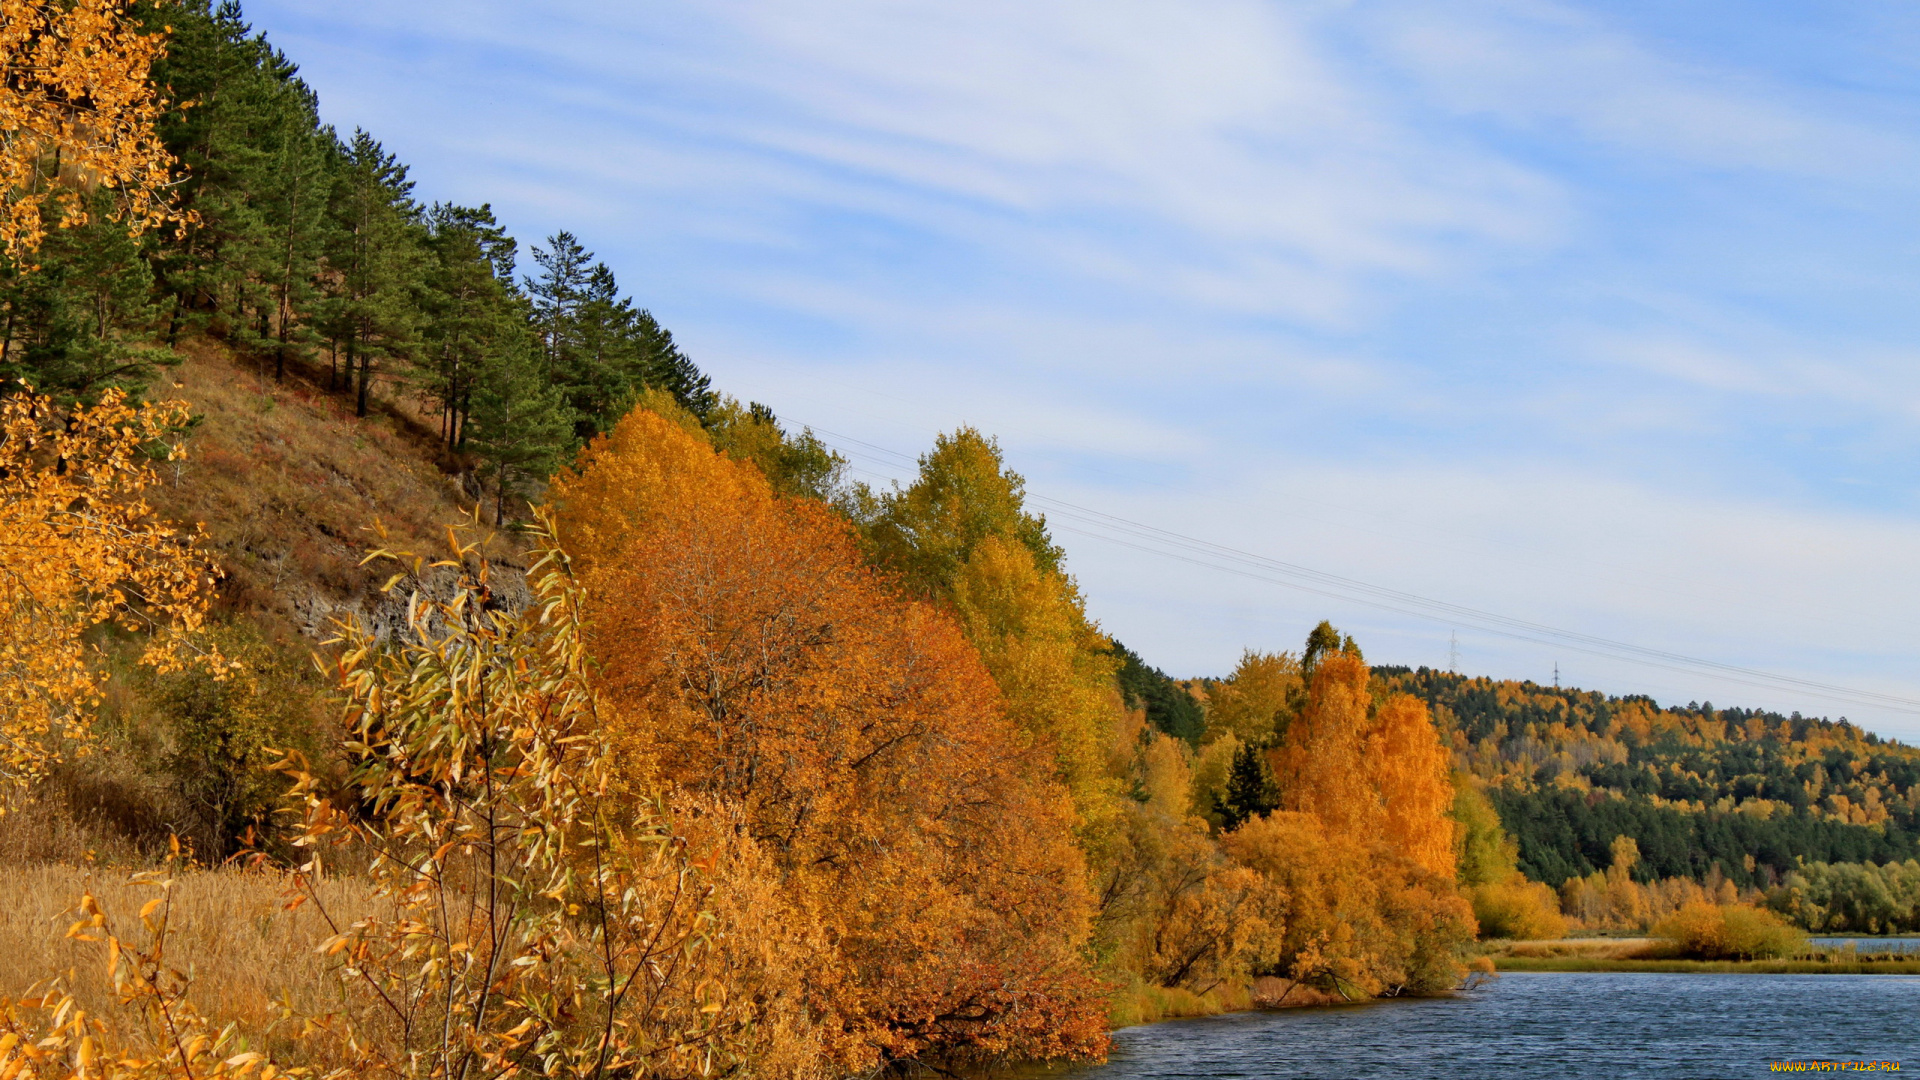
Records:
x=1746, y=790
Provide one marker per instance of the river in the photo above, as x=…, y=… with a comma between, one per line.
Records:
x=1549, y=1025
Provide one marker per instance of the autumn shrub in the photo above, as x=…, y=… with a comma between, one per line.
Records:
x=754, y=659
x=1705, y=931
x=1358, y=868
x=1176, y=913
x=534, y=920
x=1351, y=915
x=1519, y=910
x=209, y=740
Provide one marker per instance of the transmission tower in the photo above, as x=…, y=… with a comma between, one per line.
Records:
x=1453, y=653
x=1556, y=674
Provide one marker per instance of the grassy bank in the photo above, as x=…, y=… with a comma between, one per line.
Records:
x=1145, y=1004
x=1655, y=955
x=1704, y=967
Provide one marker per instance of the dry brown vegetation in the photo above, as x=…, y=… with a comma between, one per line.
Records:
x=227, y=928
x=286, y=479
x=1626, y=948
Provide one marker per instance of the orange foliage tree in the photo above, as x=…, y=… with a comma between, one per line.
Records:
x=754, y=658
x=1410, y=770
x=1320, y=766
x=76, y=114
x=79, y=547
x=1360, y=861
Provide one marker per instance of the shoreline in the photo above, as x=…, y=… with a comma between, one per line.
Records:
x=1618, y=964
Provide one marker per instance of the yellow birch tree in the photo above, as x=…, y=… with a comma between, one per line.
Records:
x=79, y=547
x=76, y=114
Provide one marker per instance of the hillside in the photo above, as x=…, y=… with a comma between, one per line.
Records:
x=1747, y=791
x=287, y=485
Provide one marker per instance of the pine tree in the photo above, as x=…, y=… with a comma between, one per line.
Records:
x=1251, y=791
x=475, y=320
x=78, y=322
x=294, y=201
x=375, y=258
x=518, y=426
x=599, y=348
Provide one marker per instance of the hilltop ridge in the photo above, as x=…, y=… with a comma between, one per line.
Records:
x=1747, y=792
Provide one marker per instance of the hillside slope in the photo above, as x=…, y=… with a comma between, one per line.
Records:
x=289, y=485
x=1749, y=791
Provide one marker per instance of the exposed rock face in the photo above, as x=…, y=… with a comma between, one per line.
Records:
x=318, y=615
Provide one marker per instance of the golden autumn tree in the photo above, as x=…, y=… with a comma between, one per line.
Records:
x=961, y=533
x=76, y=115
x=1411, y=771
x=1347, y=915
x=1252, y=703
x=1031, y=629
x=1321, y=766
x=753, y=658
x=79, y=547
x=964, y=493
x=1359, y=863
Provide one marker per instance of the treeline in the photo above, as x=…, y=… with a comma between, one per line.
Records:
x=1851, y=898
x=1745, y=792
x=306, y=250
x=1566, y=833
x=839, y=789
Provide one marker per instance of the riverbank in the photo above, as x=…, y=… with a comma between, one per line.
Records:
x=1709, y=967
x=1146, y=1004
x=1651, y=955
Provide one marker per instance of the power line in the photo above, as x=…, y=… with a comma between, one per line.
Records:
x=1099, y=525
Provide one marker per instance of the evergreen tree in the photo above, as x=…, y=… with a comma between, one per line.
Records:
x=375, y=258
x=1168, y=706
x=1251, y=790
x=599, y=349
x=294, y=200
x=80, y=321
x=519, y=427
x=243, y=129
x=475, y=321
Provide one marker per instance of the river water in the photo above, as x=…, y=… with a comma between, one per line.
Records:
x=1549, y=1025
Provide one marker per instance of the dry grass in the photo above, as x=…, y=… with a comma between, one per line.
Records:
x=287, y=481
x=1657, y=955
x=228, y=929
x=1587, y=948
x=54, y=825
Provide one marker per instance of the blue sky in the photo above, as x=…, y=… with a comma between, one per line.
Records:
x=1598, y=316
